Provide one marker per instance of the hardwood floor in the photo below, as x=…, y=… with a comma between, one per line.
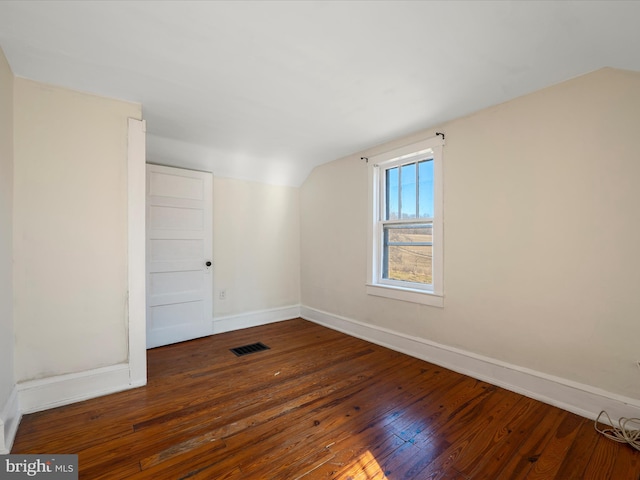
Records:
x=318, y=404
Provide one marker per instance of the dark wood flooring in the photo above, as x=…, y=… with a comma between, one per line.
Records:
x=318, y=405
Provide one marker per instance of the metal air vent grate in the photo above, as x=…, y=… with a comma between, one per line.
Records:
x=247, y=349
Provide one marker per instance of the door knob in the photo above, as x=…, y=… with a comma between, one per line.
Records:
x=208, y=264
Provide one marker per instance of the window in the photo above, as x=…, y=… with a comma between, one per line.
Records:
x=405, y=260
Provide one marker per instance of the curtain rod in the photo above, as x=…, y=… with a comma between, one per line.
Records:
x=366, y=159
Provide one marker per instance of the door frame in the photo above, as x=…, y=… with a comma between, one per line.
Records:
x=136, y=252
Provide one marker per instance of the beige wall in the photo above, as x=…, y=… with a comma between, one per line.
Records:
x=541, y=235
x=6, y=232
x=256, y=242
x=70, y=230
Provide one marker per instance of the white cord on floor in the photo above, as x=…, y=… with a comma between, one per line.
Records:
x=628, y=430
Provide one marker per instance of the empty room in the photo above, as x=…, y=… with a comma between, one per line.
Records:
x=320, y=239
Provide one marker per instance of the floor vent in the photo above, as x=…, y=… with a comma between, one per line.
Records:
x=247, y=349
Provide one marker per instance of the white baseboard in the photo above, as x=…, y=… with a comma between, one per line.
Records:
x=254, y=319
x=584, y=400
x=9, y=420
x=37, y=395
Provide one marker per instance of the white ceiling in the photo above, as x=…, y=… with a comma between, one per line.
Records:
x=268, y=90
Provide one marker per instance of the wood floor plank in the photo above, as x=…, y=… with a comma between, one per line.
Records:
x=475, y=437
x=575, y=462
x=556, y=449
x=519, y=464
x=363, y=450
x=318, y=405
x=465, y=431
x=373, y=436
x=178, y=436
x=430, y=414
x=626, y=463
x=329, y=414
x=613, y=460
x=529, y=414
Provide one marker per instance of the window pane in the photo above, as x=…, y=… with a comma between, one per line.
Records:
x=408, y=253
x=408, y=191
x=392, y=186
x=425, y=189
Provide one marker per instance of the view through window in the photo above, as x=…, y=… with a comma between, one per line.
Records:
x=408, y=222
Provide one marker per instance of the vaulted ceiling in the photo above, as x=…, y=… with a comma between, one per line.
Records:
x=267, y=90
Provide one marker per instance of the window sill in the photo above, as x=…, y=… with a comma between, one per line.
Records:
x=406, y=295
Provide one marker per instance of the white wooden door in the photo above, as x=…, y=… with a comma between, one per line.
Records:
x=179, y=248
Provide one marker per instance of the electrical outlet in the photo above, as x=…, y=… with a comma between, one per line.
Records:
x=222, y=294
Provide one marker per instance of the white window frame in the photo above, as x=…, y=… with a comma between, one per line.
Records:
x=432, y=294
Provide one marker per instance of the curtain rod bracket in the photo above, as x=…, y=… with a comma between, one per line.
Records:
x=366, y=159
x=440, y=133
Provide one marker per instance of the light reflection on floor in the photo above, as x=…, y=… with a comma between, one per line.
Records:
x=365, y=467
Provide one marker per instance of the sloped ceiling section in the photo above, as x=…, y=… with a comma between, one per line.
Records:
x=268, y=90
